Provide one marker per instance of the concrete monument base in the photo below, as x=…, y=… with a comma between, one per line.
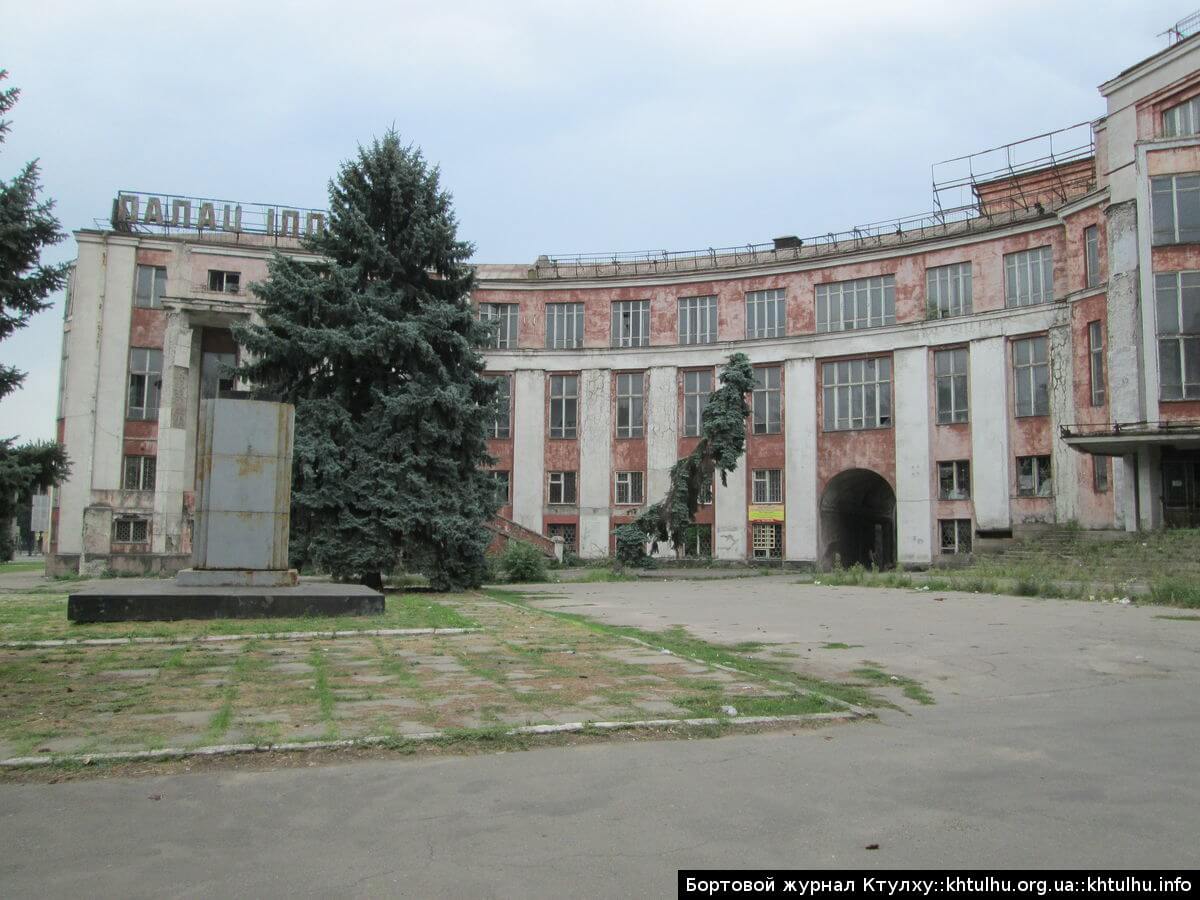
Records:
x=154, y=600
x=237, y=578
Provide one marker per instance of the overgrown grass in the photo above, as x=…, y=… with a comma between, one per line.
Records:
x=599, y=576
x=13, y=566
x=1175, y=591
x=912, y=688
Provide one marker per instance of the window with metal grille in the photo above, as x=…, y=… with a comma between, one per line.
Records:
x=1177, y=305
x=503, y=317
x=225, y=282
x=1029, y=277
x=950, y=383
x=697, y=541
x=696, y=388
x=1033, y=476
x=145, y=383
x=767, y=540
x=857, y=393
x=629, y=489
x=564, y=406
x=697, y=320
x=948, y=290
x=502, y=423
x=1091, y=255
x=131, y=531
x=861, y=303
x=768, y=485
x=1100, y=474
x=766, y=313
x=631, y=404
x=149, y=286
x=765, y=400
x=562, y=488
x=567, y=533
x=1182, y=119
x=501, y=477
x=954, y=479
x=956, y=535
x=706, y=493
x=631, y=323
x=564, y=326
x=1031, y=374
x=1175, y=209
x=139, y=473
x=1096, y=361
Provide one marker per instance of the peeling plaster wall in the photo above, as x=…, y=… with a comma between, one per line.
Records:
x=914, y=507
x=662, y=433
x=529, y=441
x=595, y=455
x=800, y=478
x=988, y=391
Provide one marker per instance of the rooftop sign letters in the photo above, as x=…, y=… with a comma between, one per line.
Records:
x=164, y=213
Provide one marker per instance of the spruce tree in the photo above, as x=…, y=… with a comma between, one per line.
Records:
x=27, y=226
x=377, y=347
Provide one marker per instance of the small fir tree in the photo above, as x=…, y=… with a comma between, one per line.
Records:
x=378, y=349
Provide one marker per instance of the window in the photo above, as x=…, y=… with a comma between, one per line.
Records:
x=225, y=282
x=697, y=541
x=1182, y=119
x=502, y=424
x=139, y=473
x=1100, y=474
x=145, y=383
x=1177, y=300
x=1029, y=277
x=501, y=477
x=1096, y=361
x=697, y=320
x=566, y=532
x=131, y=531
x=564, y=326
x=857, y=394
x=1091, y=247
x=503, y=319
x=631, y=323
x=562, y=488
x=956, y=535
x=765, y=312
x=954, y=479
x=1033, y=476
x=150, y=285
x=768, y=485
x=696, y=388
x=863, y=303
x=1175, y=209
x=950, y=384
x=948, y=290
x=1032, y=375
x=706, y=493
x=631, y=405
x=564, y=405
x=767, y=540
x=765, y=400
x=629, y=489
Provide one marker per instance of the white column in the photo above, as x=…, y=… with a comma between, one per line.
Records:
x=172, y=476
x=529, y=448
x=595, y=461
x=662, y=436
x=1064, y=460
x=914, y=500
x=729, y=539
x=800, y=424
x=113, y=373
x=990, y=463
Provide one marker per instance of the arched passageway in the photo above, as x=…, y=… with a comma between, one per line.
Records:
x=858, y=520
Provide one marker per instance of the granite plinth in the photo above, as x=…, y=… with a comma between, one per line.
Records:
x=154, y=600
x=237, y=578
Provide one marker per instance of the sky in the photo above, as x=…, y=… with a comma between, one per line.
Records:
x=559, y=127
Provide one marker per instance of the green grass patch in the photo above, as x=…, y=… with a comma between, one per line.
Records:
x=1180, y=618
x=9, y=568
x=912, y=688
x=838, y=645
x=1175, y=591
x=325, y=700
x=599, y=576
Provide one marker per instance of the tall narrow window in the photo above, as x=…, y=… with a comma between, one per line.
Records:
x=862, y=303
x=149, y=287
x=1182, y=119
x=1175, y=209
x=766, y=400
x=631, y=405
x=857, y=393
x=1177, y=301
x=502, y=424
x=631, y=323
x=765, y=314
x=768, y=486
x=1031, y=374
x=629, y=490
x=954, y=479
x=564, y=326
x=696, y=388
x=503, y=318
x=1096, y=360
x=1100, y=474
x=948, y=290
x=697, y=320
x=502, y=480
x=950, y=375
x=1091, y=247
x=1029, y=277
x=564, y=406
x=1033, y=476
x=145, y=383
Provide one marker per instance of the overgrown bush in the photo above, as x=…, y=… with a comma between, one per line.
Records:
x=522, y=562
x=1175, y=591
x=631, y=546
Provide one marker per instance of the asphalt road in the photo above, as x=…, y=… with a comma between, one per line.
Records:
x=1064, y=734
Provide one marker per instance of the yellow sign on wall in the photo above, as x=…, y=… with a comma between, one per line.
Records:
x=773, y=513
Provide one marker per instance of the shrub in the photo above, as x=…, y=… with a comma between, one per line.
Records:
x=631, y=545
x=522, y=562
x=1175, y=591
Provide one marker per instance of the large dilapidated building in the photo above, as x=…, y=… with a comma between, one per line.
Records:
x=1027, y=353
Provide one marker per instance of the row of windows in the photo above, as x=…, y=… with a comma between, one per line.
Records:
x=840, y=306
x=150, y=284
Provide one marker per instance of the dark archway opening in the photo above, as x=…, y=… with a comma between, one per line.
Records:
x=858, y=521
